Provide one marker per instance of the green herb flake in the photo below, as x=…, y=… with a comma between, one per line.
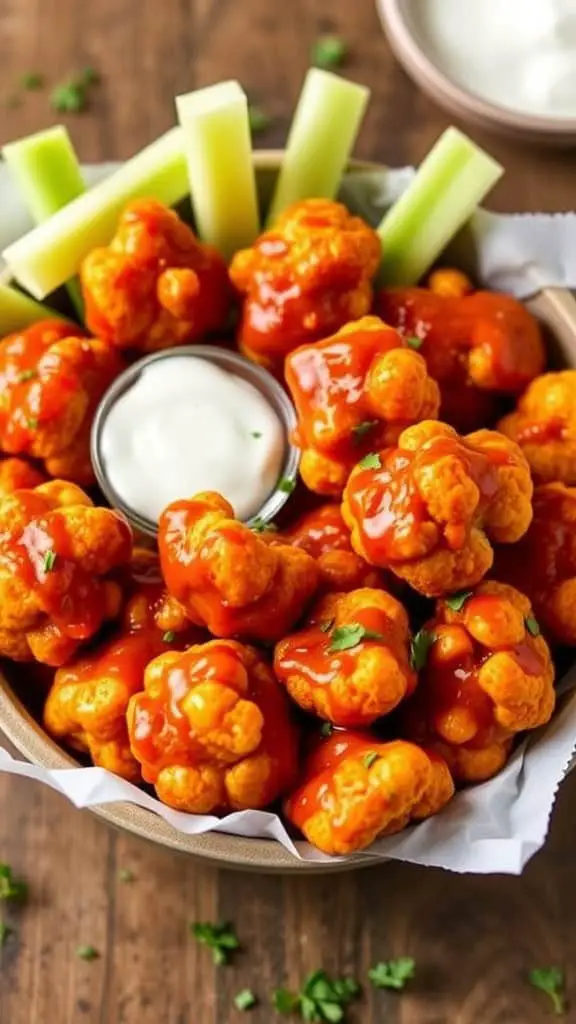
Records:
x=49, y=561
x=328, y=52
x=32, y=80
x=456, y=602
x=414, y=342
x=287, y=486
x=345, y=637
x=371, y=461
x=220, y=938
x=87, y=953
x=258, y=119
x=321, y=998
x=245, y=1000
x=361, y=429
x=370, y=758
x=550, y=980
x=26, y=375
x=125, y=875
x=89, y=76
x=256, y=433
x=392, y=973
x=419, y=648
x=169, y=636
x=11, y=888
x=69, y=97
x=5, y=933
x=260, y=525
x=325, y=627
x=32, y=423
x=532, y=625
x=326, y=730
x=283, y=1001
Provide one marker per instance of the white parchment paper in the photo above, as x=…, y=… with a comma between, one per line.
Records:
x=494, y=827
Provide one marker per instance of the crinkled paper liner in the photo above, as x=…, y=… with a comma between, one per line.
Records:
x=493, y=827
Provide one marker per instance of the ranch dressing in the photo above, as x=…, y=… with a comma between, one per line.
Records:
x=184, y=426
x=519, y=54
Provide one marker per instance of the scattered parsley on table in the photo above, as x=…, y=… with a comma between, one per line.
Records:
x=328, y=52
x=220, y=938
x=550, y=980
x=392, y=973
x=245, y=1000
x=11, y=888
x=87, y=953
x=320, y=999
x=258, y=119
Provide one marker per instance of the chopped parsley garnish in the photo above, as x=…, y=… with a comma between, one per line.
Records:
x=419, y=647
x=414, y=342
x=49, y=561
x=245, y=1000
x=220, y=938
x=532, y=625
x=326, y=730
x=125, y=875
x=256, y=433
x=286, y=485
x=369, y=758
x=11, y=888
x=361, y=429
x=32, y=423
x=258, y=119
x=328, y=52
x=26, y=375
x=32, y=80
x=168, y=637
x=5, y=932
x=551, y=981
x=71, y=97
x=321, y=998
x=87, y=953
x=370, y=461
x=392, y=973
x=457, y=601
x=260, y=525
x=345, y=637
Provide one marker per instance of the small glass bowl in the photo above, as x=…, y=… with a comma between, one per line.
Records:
x=233, y=363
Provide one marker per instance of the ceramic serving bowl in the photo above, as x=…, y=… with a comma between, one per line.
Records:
x=556, y=309
x=403, y=28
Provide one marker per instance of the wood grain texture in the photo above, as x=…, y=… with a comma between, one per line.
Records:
x=474, y=938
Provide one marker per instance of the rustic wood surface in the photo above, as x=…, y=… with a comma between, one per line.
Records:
x=474, y=938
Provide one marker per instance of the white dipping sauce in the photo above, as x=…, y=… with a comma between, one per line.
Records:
x=519, y=54
x=185, y=426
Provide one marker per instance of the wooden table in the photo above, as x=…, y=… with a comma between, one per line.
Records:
x=474, y=939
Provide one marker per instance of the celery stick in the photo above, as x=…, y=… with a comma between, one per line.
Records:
x=48, y=174
x=450, y=183
x=323, y=132
x=18, y=311
x=221, y=174
x=51, y=253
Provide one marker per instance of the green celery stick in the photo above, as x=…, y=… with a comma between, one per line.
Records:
x=51, y=253
x=18, y=311
x=323, y=132
x=219, y=153
x=450, y=183
x=48, y=174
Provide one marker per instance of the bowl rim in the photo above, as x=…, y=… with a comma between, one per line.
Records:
x=431, y=77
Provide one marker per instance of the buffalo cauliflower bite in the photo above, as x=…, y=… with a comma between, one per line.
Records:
x=356, y=789
x=479, y=346
x=350, y=662
x=431, y=508
x=488, y=675
x=544, y=425
x=16, y=474
x=50, y=385
x=229, y=578
x=156, y=285
x=323, y=533
x=543, y=563
x=212, y=729
x=354, y=392
x=304, y=278
x=56, y=553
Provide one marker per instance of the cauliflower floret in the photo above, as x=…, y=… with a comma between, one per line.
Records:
x=212, y=730
x=488, y=676
x=16, y=474
x=156, y=285
x=56, y=551
x=356, y=788
x=227, y=577
x=303, y=279
x=350, y=662
x=50, y=385
x=544, y=425
x=430, y=508
x=478, y=346
x=543, y=563
x=355, y=392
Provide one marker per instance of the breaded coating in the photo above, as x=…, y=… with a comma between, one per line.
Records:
x=212, y=729
x=355, y=392
x=350, y=662
x=544, y=425
x=303, y=279
x=156, y=285
x=16, y=474
x=227, y=577
x=356, y=789
x=431, y=508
